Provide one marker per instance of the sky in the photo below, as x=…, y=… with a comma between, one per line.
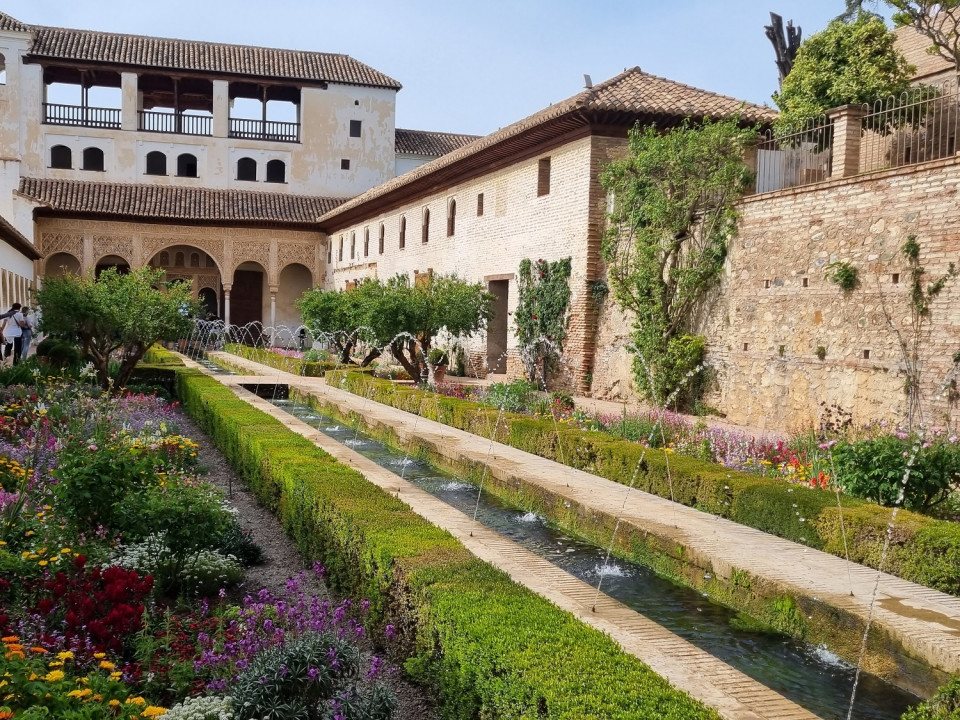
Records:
x=475, y=67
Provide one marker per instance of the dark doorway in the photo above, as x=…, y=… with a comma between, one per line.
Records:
x=246, y=297
x=208, y=298
x=497, y=328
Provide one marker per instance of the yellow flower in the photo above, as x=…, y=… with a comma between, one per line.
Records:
x=135, y=701
x=98, y=697
x=54, y=676
x=80, y=693
x=114, y=703
x=99, y=656
x=66, y=551
x=2, y=543
x=116, y=675
x=153, y=711
x=43, y=563
x=55, y=664
x=65, y=655
x=107, y=665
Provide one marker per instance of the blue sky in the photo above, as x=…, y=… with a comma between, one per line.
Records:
x=475, y=67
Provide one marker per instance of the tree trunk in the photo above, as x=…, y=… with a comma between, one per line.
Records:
x=127, y=367
x=371, y=356
x=411, y=366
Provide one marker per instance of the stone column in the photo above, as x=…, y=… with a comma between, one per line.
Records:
x=221, y=108
x=226, y=304
x=130, y=101
x=847, y=129
x=273, y=315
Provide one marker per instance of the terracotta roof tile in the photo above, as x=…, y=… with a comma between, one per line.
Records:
x=632, y=95
x=163, y=202
x=204, y=57
x=10, y=23
x=425, y=142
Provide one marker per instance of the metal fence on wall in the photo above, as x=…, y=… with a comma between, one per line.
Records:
x=794, y=159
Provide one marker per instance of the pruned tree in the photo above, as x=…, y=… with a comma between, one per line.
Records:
x=342, y=318
x=542, y=314
x=785, y=46
x=116, y=315
x=673, y=212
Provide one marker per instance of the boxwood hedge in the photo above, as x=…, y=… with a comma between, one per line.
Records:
x=280, y=362
x=487, y=646
x=924, y=550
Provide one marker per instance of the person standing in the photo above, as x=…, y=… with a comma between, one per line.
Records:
x=13, y=333
x=29, y=323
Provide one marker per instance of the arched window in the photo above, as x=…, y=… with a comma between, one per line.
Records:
x=381, y=238
x=353, y=245
x=366, y=241
x=93, y=159
x=451, y=217
x=425, y=230
x=178, y=259
x=164, y=259
x=194, y=259
x=403, y=232
x=61, y=157
x=247, y=169
x=186, y=165
x=156, y=163
x=276, y=171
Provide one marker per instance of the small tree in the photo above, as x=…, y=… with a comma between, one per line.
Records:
x=848, y=62
x=541, y=316
x=115, y=312
x=343, y=317
x=673, y=212
x=939, y=21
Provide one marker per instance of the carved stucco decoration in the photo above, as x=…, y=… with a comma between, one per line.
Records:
x=52, y=243
x=213, y=246
x=104, y=245
x=288, y=253
x=210, y=281
x=258, y=252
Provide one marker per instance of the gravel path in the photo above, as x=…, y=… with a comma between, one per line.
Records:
x=283, y=561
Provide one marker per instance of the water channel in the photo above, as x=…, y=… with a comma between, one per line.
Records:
x=812, y=677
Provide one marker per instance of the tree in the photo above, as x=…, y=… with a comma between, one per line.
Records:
x=115, y=312
x=343, y=317
x=848, y=62
x=541, y=316
x=938, y=21
x=673, y=212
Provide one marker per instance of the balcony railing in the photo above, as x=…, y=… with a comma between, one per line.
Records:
x=80, y=116
x=793, y=159
x=271, y=130
x=152, y=121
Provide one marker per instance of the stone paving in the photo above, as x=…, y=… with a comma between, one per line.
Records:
x=925, y=621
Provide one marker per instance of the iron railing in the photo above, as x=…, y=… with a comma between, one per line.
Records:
x=786, y=160
x=271, y=130
x=179, y=123
x=81, y=116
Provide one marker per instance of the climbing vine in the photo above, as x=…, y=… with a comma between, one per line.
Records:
x=673, y=211
x=542, y=316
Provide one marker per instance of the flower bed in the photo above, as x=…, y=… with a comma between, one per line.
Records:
x=117, y=558
x=924, y=550
x=490, y=647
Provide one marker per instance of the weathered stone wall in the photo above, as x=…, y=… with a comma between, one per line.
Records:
x=774, y=307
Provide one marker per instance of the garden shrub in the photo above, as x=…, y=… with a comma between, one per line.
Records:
x=945, y=705
x=923, y=549
x=513, y=397
x=204, y=707
x=488, y=646
x=285, y=363
x=201, y=573
x=159, y=355
x=59, y=353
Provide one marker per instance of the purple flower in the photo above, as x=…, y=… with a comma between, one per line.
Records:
x=390, y=631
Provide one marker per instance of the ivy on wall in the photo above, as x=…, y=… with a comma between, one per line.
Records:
x=542, y=314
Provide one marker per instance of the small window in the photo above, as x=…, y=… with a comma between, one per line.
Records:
x=156, y=163
x=543, y=177
x=178, y=259
x=766, y=284
x=93, y=159
x=344, y=164
x=425, y=230
x=366, y=241
x=194, y=259
x=746, y=346
x=276, y=171
x=805, y=282
x=340, y=251
x=329, y=251
x=354, y=128
x=353, y=245
x=247, y=169
x=895, y=278
x=61, y=157
x=403, y=232
x=452, y=218
x=186, y=165
x=164, y=259
x=381, y=239
x=866, y=354
x=479, y=204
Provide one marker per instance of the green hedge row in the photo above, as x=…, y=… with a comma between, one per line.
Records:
x=159, y=355
x=280, y=362
x=924, y=550
x=487, y=646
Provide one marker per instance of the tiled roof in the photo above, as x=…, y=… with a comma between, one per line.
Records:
x=163, y=202
x=11, y=23
x=203, y=57
x=13, y=237
x=631, y=96
x=433, y=144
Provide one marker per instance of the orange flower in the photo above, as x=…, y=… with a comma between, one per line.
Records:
x=5, y=715
x=37, y=650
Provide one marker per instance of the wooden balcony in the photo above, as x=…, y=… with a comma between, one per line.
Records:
x=81, y=116
x=269, y=130
x=178, y=123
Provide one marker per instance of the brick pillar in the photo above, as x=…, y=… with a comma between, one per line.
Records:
x=847, y=129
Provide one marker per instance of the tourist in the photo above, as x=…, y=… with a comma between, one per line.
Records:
x=13, y=332
x=29, y=323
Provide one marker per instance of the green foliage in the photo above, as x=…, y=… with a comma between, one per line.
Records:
x=924, y=550
x=847, y=63
x=874, y=469
x=115, y=312
x=513, y=397
x=305, y=367
x=673, y=213
x=945, y=705
x=436, y=356
x=821, y=352
x=59, y=353
x=490, y=647
x=238, y=542
x=842, y=274
x=541, y=317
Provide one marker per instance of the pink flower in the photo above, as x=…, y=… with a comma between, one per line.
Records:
x=91, y=447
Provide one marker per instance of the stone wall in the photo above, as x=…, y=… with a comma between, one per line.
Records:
x=774, y=307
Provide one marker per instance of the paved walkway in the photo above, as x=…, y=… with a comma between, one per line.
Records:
x=924, y=621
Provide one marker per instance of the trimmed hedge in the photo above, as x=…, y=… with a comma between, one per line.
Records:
x=280, y=362
x=924, y=550
x=486, y=645
x=159, y=355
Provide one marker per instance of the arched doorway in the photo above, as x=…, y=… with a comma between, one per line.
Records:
x=295, y=280
x=190, y=264
x=61, y=264
x=248, y=296
x=112, y=261
x=208, y=298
